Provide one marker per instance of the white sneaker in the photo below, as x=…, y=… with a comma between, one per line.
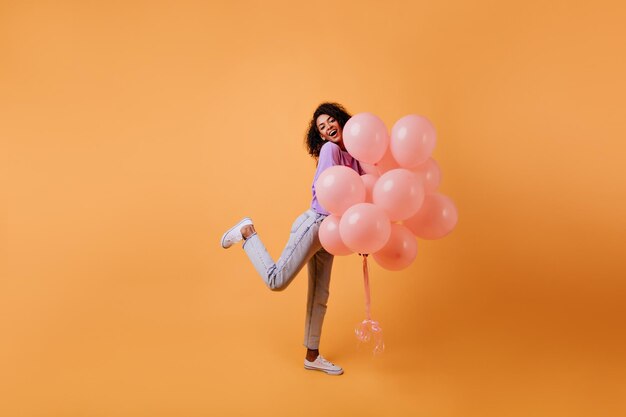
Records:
x=321, y=364
x=233, y=235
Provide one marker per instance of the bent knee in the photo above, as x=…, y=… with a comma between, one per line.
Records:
x=277, y=281
x=276, y=287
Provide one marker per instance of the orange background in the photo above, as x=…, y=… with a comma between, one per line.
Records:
x=134, y=133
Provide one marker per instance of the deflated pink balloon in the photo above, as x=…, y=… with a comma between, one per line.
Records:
x=364, y=228
x=338, y=188
x=400, y=193
x=369, y=181
x=437, y=217
x=430, y=173
x=330, y=238
x=365, y=137
x=400, y=250
x=387, y=163
x=413, y=139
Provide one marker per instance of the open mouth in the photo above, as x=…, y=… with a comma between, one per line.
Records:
x=333, y=133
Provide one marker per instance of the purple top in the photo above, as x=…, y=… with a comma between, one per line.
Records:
x=331, y=155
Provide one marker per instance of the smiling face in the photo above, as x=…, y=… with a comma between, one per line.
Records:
x=329, y=129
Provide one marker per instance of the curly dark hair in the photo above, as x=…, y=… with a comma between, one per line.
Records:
x=312, y=138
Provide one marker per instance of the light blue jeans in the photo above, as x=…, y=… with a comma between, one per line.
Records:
x=303, y=247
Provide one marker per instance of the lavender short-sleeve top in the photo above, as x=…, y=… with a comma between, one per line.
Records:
x=331, y=155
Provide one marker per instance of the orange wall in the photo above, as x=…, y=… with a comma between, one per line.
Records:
x=134, y=133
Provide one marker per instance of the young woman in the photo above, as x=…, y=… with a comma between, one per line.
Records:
x=324, y=141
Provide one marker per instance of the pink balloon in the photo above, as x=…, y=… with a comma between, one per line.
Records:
x=364, y=228
x=369, y=169
x=400, y=193
x=430, y=173
x=400, y=250
x=387, y=163
x=365, y=137
x=413, y=139
x=338, y=188
x=330, y=238
x=437, y=217
x=369, y=181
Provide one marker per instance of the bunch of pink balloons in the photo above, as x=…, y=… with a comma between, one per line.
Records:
x=383, y=211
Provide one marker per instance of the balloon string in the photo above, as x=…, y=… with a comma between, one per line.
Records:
x=369, y=329
x=366, y=283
